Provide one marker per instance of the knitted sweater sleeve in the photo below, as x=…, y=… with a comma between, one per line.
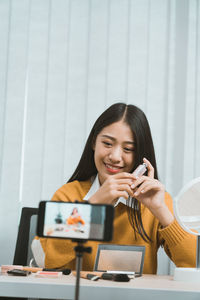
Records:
x=179, y=245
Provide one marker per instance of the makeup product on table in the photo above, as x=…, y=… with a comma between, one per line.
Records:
x=17, y=272
x=48, y=274
x=5, y=268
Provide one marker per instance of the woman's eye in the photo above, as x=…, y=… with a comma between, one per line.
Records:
x=107, y=144
x=128, y=149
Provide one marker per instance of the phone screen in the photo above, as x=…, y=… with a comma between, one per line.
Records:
x=75, y=220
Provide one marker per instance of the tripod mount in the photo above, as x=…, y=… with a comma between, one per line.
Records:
x=79, y=250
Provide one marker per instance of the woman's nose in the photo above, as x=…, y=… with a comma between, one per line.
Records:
x=115, y=154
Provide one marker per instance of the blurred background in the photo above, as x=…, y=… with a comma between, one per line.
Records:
x=63, y=62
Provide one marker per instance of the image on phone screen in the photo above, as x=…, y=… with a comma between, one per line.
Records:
x=75, y=221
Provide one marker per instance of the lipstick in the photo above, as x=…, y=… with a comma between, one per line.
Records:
x=140, y=170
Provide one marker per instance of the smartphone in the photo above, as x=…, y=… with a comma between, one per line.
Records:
x=75, y=221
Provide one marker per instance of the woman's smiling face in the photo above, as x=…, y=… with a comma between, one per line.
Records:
x=114, y=150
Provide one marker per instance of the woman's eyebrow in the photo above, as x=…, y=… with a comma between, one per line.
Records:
x=114, y=139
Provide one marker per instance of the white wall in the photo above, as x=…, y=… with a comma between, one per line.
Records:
x=62, y=62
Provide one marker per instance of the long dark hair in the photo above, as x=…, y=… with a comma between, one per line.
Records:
x=136, y=119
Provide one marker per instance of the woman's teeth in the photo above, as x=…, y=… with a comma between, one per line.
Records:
x=112, y=167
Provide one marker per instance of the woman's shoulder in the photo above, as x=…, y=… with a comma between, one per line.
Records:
x=71, y=191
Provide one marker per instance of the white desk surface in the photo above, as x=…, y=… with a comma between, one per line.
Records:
x=145, y=287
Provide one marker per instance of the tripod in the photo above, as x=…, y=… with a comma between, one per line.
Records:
x=79, y=249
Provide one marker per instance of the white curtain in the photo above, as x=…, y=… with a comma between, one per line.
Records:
x=63, y=62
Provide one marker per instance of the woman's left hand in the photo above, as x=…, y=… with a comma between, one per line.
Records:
x=151, y=193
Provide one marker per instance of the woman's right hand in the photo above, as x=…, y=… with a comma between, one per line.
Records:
x=115, y=186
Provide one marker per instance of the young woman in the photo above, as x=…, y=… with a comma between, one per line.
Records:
x=75, y=218
x=119, y=141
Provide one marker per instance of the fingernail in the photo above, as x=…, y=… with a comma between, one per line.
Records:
x=133, y=186
x=142, y=191
x=136, y=193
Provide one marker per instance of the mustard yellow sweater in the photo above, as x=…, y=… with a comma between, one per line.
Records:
x=179, y=245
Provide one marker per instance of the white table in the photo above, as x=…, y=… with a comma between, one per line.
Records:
x=145, y=287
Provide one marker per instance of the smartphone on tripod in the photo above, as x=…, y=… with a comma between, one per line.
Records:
x=75, y=221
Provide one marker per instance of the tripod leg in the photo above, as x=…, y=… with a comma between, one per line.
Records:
x=78, y=268
x=198, y=253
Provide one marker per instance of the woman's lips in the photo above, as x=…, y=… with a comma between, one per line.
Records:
x=113, y=169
